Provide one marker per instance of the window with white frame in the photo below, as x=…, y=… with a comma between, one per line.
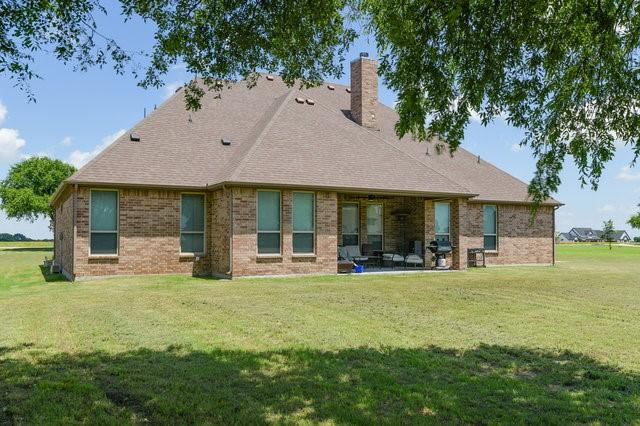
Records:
x=104, y=222
x=350, y=224
x=442, y=221
x=490, y=224
x=268, y=212
x=303, y=222
x=375, y=226
x=192, y=223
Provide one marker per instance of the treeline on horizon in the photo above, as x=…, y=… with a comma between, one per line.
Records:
x=4, y=236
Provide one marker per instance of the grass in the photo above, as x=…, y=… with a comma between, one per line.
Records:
x=499, y=345
x=11, y=244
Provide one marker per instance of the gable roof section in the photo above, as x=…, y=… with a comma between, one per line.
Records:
x=277, y=141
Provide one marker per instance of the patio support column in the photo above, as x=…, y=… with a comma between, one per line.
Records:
x=459, y=233
x=429, y=222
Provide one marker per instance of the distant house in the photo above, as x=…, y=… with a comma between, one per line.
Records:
x=585, y=235
x=621, y=236
x=592, y=235
x=565, y=237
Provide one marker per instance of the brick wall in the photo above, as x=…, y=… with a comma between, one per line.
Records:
x=63, y=233
x=149, y=233
x=149, y=236
x=219, y=236
x=246, y=261
x=519, y=241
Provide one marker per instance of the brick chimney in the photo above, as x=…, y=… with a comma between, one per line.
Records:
x=364, y=90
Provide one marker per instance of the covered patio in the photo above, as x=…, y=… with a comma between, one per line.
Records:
x=391, y=232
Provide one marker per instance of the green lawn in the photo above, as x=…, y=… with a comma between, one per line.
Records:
x=499, y=345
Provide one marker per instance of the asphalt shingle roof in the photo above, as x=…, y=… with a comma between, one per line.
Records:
x=275, y=140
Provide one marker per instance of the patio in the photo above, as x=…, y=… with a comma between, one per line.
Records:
x=386, y=233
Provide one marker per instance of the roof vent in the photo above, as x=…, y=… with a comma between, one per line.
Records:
x=270, y=77
x=310, y=101
x=134, y=137
x=364, y=54
x=300, y=100
x=330, y=87
x=478, y=159
x=225, y=142
x=348, y=90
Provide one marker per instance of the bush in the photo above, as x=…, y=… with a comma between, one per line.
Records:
x=636, y=239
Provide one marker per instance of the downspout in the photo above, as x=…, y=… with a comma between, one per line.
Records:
x=75, y=233
x=553, y=237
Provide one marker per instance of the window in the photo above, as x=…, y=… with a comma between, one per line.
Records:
x=192, y=223
x=268, y=222
x=303, y=222
x=442, y=221
x=350, y=225
x=104, y=222
x=490, y=219
x=374, y=226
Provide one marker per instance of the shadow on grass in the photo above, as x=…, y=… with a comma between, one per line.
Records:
x=489, y=384
x=51, y=278
x=19, y=249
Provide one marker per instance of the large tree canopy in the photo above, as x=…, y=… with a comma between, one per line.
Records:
x=565, y=72
x=29, y=185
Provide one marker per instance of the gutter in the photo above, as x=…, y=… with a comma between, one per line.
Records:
x=342, y=189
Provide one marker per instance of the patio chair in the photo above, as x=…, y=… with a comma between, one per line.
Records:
x=393, y=259
x=353, y=253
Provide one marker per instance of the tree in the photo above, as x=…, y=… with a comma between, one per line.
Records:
x=634, y=220
x=607, y=231
x=29, y=185
x=566, y=72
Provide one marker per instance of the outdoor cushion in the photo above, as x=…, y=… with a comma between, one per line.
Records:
x=414, y=259
x=353, y=253
x=394, y=257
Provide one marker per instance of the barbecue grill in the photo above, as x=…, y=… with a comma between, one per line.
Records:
x=440, y=249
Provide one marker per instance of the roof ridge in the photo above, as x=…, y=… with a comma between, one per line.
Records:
x=401, y=151
x=260, y=136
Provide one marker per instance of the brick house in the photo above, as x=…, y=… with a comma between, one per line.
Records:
x=273, y=179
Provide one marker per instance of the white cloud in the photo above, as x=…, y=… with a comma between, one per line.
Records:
x=80, y=158
x=516, y=147
x=171, y=88
x=475, y=116
x=627, y=174
x=607, y=208
x=3, y=112
x=10, y=144
x=66, y=141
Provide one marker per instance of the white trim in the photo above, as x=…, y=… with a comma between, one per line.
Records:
x=279, y=232
x=293, y=232
x=484, y=234
x=381, y=204
x=342, y=234
x=117, y=231
x=435, y=215
x=204, y=227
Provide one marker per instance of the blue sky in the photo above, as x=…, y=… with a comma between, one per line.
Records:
x=77, y=114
